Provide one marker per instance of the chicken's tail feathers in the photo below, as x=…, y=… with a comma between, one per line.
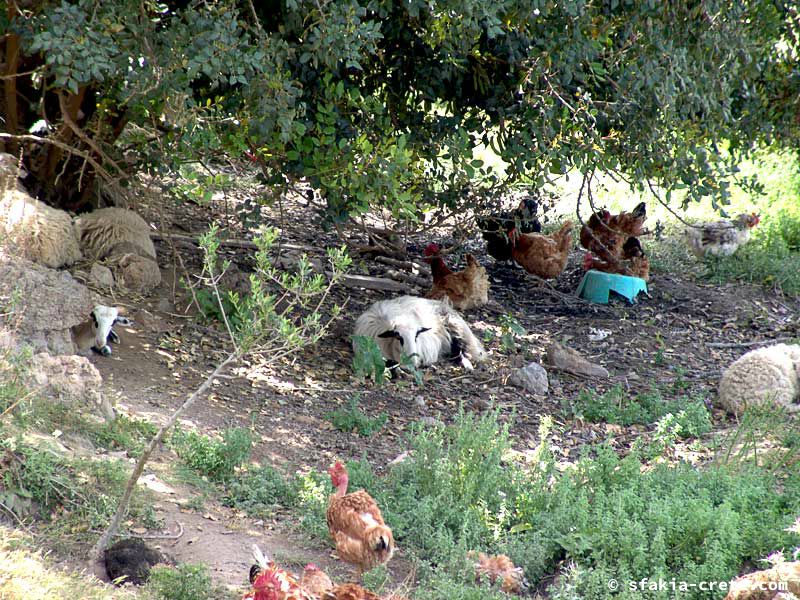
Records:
x=261, y=559
x=380, y=539
x=472, y=261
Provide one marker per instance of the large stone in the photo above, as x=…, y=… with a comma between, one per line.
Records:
x=72, y=380
x=532, y=378
x=568, y=360
x=42, y=305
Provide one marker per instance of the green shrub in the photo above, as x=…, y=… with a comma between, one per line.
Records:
x=216, y=459
x=351, y=418
x=184, y=582
x=619, y=407
x=259, y=490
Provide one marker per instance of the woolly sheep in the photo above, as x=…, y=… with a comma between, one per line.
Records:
x=765, y=374
x=108, y=231
x=134, y=272
x=40, y=232
x=99, y=330
x=425, y=330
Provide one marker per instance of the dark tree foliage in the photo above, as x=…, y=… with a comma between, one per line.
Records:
x=383, y=103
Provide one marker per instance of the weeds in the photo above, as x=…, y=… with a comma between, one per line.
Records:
x=184, y=582
x=368, y=360
x=216, y=459
x=351, y=418
x=617, y=406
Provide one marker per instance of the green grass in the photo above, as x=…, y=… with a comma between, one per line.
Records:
x=350, y=418
x=184, y=582
x=610, y=517
x=213, y=458
x=618, y=407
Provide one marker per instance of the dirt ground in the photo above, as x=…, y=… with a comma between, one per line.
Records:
x=685, y=329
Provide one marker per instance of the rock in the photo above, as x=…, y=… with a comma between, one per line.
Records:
x=532, y=377
x=72, y=380
x=420, y=402
x=165, y=306
x=431, y=422
x=101, y=276
x=46, y=305
x=566, y=359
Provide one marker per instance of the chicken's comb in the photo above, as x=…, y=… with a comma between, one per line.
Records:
x=311, y=567
x=431, y=249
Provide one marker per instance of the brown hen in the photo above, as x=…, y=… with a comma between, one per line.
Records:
x=542, y=255
x=466, y=289
x=315, y=581
x=604, y=234
x=500, y=568
x=633, y=261
x=356, y=525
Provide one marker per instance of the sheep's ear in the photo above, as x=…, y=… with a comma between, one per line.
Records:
x=94, y=318
x=422, y=330
x=391, y=333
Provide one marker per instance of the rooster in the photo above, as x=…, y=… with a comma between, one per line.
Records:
x=315, y=581
x=542, y=255
x=466, y=289
x=633, y=261
x=500, y=568
x=270, y=582
x=356, y=525
x=494, y=229
x=604, y=234
x=721, y=238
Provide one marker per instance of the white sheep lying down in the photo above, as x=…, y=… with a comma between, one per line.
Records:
x=98, y=331
x=770, y=374
x=424, y=330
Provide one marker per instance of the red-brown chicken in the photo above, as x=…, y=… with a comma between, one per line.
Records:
x=633, y=261
x=500, y=568
x=466, y=289
x=604, y=234
x=270, y=582
x=356, y=525
x=542, y=255
x=350, y=591
x=315, y=581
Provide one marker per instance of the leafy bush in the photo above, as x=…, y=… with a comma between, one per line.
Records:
x=216, y=459
x=617, y=406
x=368, y=360
x=184, y=582
x=259, y=489
x=351, y=418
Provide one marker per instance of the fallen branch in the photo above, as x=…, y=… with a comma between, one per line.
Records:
x=748, y=344
x=96, y=552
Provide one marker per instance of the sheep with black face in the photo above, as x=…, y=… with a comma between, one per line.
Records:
x=423, y=330
x=98, y=331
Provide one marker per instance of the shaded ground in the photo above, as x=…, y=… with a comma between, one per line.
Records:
x=685, y=330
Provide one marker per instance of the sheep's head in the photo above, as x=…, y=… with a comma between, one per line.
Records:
x=103, y=318
x=403, y=340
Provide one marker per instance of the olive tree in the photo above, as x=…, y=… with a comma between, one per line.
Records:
x=382, y=103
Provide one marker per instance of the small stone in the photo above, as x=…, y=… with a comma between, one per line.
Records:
x=532, y=377
x=431, y=422
x=101, y=276
x=420, y=402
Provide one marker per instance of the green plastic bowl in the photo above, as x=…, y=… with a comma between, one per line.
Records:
x=597, y=286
